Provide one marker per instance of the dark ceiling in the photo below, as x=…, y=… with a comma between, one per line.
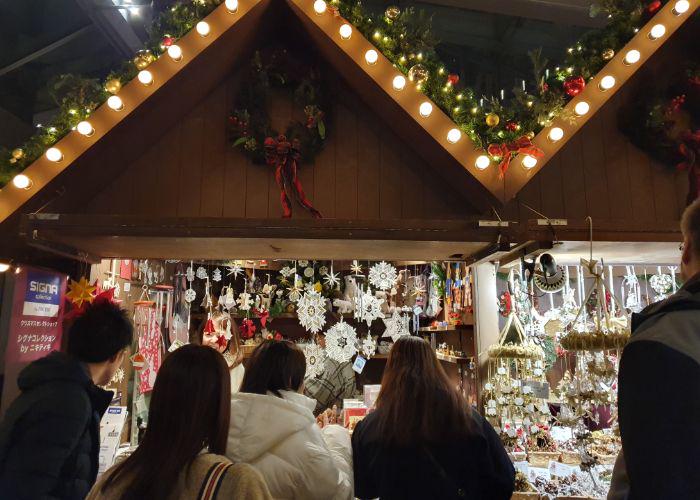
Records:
x=485, y=41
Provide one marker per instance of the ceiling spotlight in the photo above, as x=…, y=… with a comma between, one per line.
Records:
x=21, y=181
x=399, y=82
x=202, y=28
x=529, y=162
x=482, y=162
x=657, y=31
x=319, y=7
x=581, y=108
x=632, y=57
x=681, y=7
x=555, y=134
x=231, y=6
x=607, y=82
x=115, y=103
x=371, y=56
x=85, y=128
x=425, y=109
x=4, y=267
x=175, y=52
x=454, y=135
x=145, y=77
x=54, y=154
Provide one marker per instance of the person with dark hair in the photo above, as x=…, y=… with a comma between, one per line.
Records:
x=49, y=438
x=223, y=327
x=181, y=454
x=274, y=430
x=659, y=389
x=423, y=441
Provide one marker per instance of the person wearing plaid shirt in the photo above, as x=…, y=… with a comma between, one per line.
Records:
x=337, y=382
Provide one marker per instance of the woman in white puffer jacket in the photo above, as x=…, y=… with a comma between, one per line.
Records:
x=274, y=430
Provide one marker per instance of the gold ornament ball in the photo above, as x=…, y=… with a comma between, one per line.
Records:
x=392, y=12
x=418, y=73
x=608, y=54
x=492, y=119
x=113, y=85
x=530, y=135
x=143, y=59
x=17, y=154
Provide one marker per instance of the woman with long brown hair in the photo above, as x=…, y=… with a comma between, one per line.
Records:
x=423, y=441
x=181, y=455
x=211, y=334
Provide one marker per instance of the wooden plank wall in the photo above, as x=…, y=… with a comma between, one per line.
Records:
x=364, y=172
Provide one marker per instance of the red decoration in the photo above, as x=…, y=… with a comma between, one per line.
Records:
x=284, y=156
x=689, y=149
x=278, y=336
x=263, y=315
x=653, y=7
x=453, y=79
x=247, y=329
x=512, y=126
x=167, y=41
x=506, y=151
x=221, y=341
x=574, y=85
x=209, y=326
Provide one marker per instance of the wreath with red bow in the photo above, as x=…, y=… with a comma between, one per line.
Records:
x=250, y=129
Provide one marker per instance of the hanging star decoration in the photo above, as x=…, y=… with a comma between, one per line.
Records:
x=80, y=291
x=341, y=342
x=368, y=307
x=245, y=301
x=221, y=341
x=202, y=273
x=356, y=268
x=311, y=310
x=382, y=275
x=396, y=326
x=315, y=357
x=332, y=279
x=368, y=346
x=216, y=275
x=234, y=269
x=418, y=289
x=294, y=291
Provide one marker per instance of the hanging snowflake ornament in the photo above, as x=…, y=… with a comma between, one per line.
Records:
x=303, y=263
x=356, y=268
x=190, y=273
x=341, y=342
x=323, y=270
x=190, y=295
x=216, y=275
x=234, y=269
x=311, y=310
x=418, y=290
x=286, y=272
x=202, y=273
x=332, y=279
x=309, y=272
x=368, y=307
x=368, y=346
x=315, y=357
x=294, y=291
x=382, y=275
x=245, y=301
x=396, y=326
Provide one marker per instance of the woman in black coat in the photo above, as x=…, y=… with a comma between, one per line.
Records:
x=422, y=441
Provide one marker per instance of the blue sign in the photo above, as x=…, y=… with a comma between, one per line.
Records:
x=43, y=295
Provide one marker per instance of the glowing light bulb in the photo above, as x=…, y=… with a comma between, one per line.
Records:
x=319, y=6
x=399, y=82
x=345, y=31
x=203, y=28
x=371, y=56
x=454, y=135
x=657, y=31
x=681, y=7
x=632, y=57
x=482, y=162
x=54, y=154
x=115, y=102
x=581, y=108
x=425, y=109
x=21, y=181
x=231, y=6
x=145, y=77
x=85, y=128
x=175, y=52
x=4, y=267
x=607, y=82
x=555, y=134
x=529, y=162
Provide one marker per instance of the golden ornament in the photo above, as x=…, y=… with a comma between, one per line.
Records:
x=418, y=73
x=530, y=135
x=80, y=291
x=113, y=85
x=492, y=119
x=17, y=154
x=143, y=59
x=392, y=12
x=608, y=54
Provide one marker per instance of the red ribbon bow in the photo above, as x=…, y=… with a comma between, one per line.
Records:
x=263, y=315
x=507, y=150
x=284, y=156
x=247, y=328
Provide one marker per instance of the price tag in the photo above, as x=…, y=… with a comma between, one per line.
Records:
x=359, y=364
x=559, y=469
x=523, y=467
x=540, y=390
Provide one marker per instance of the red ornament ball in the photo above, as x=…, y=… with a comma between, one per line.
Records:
x=653, y=6
x=512, y=126
x=574, y=85
x=168, y=41
x=453, y=79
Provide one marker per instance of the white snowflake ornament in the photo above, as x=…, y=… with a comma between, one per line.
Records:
x=368, y=307
x=309, y=272
x=286, y=272
x=323, y=270
x=190, y=274
x=303, y=263
x=202, y=273
x=383, y=275
x=356, y=268
x=311, y=310
x=234, y=269
x=331, y=279
x=396, y=326
x=368, y=346
x=190, y=295
x=245, y=301
x=341, y=340
x=315, y=357
x=216, y=275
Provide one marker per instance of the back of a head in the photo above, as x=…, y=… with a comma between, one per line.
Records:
x=690, y=225
x=417, y=393
x=274, y=366
x=101, y=331
x=189, y=411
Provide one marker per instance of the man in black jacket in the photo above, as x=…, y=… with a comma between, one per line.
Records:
x=49, y=438
x=659, y=395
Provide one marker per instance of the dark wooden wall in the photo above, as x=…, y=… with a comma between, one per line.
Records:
x=364, y=172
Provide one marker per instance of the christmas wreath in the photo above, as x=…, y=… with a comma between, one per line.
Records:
x=664, y=121
x=251, y=131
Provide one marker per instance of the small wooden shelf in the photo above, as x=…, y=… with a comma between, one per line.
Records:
x=453, y=359
x=449, y=328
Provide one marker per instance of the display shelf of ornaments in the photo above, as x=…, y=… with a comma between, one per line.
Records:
x=460, y=360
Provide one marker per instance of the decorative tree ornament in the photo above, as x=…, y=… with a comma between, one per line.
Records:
x=234, y=269
x=309, y=272
x=216, y=275
x=294, y=291
x=396, y=326
x=202, y=273
x=574, y=85
x=392, y=12
x=512, y=126
x=167, y=41
x=311, y=309
x=492, y=120
x=189, y=274
x=341, y=342
x=303, y=263
x=453, y=79
x=80, y=291
x=17, y=154
x=332, y=279
x=323, y=270
x=245, y=301
x=315, y=357
x=286, y=272
x=143, y=58
x=190, y=295
x=383, y=275
x=608, y=54
x=661, y=284
x=368, y=346
x=368, y=307
x=356, y=268
x=113, y=85
x=418, y=74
